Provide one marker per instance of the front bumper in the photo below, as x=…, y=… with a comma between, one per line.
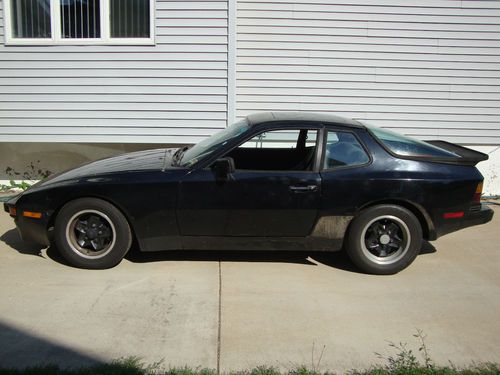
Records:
x=30, y=229
x=471, y=218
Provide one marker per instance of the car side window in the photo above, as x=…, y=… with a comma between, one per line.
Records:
x=343, y=149
x=277, y=150
x=280, y=139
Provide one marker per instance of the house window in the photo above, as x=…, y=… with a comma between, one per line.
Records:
x=129, y=18
x=30, y=19
x=79, y=21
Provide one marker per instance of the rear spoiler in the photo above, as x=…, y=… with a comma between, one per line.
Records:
x=467, y=156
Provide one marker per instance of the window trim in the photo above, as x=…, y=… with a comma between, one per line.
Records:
x=315, y=158
x=343, y=167
x=55, y=23
x=267, y=126
x=267, y=131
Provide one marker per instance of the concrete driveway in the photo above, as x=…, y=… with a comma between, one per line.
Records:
x=238, y=310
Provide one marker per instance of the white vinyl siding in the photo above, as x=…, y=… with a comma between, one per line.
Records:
x=429, y=69
x=173, y=92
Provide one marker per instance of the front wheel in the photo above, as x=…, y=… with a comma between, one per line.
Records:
x=92, y=233
x=384, y=239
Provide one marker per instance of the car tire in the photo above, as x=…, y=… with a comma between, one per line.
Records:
x=92, y=233
x=384, y=239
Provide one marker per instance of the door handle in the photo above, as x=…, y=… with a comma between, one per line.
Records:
x=304, y=189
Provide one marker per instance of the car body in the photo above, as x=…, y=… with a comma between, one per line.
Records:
x=272, y=181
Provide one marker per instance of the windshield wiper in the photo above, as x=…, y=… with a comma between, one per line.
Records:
x=176, y=158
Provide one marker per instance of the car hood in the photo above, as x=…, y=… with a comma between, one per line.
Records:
x=149, y=160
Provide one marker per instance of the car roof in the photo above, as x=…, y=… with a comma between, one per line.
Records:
x=262, y=117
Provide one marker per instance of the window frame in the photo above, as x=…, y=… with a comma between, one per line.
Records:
x=55, y=24
x=314, y=168
x=272, y=130
x=261, y=128
x=342, y=167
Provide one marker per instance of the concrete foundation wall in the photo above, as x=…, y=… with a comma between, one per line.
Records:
x=57, y=157
x=60, y=156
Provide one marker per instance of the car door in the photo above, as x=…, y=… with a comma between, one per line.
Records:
x=274, y=190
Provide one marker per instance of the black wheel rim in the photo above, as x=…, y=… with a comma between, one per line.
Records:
x=385, y=239
x=90, y=234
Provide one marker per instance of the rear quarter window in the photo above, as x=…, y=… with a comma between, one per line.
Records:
x=343, y=150
x=405, y=146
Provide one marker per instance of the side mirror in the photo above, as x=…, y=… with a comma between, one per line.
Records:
x=222, y=168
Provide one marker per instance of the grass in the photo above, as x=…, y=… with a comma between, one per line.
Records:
x=402, y=361
x=135, y=367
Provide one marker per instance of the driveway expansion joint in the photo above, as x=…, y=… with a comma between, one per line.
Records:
x=219, y=318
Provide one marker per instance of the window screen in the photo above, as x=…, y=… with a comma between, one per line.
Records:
x=129, y=18
x=80, y=19
x=30, y=18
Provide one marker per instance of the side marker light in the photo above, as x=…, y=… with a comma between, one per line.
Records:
x=453, y=215
x=34, y=215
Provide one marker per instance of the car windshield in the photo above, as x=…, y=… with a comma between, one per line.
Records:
x=406, y=146
x=209, y=145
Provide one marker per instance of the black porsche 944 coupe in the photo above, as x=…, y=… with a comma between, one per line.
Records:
x=272, y=181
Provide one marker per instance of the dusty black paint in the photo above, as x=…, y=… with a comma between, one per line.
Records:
x=186, y=208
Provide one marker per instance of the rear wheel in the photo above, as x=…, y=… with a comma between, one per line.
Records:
x=384, y=239
x=92, y=233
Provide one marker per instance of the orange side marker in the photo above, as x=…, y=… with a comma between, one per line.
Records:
x=34, y=215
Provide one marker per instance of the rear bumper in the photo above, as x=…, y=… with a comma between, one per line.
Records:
x=484, y=215
x=477, y=217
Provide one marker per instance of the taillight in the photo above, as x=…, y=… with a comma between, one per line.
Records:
x=478, y=193
x=12, y=211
